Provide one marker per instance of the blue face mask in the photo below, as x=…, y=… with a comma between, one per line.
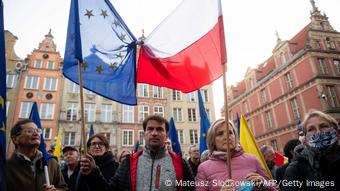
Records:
x=322, y=140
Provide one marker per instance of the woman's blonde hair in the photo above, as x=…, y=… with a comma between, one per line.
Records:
x=212, y=133
x=316, y=113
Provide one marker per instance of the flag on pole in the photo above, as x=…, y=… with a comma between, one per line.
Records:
x=187, y=50
x=2, y=101
x=34, y=116
x=98, y=38
x=204, y=123
x=57, y=149
x=176, y=146
x=249, y=144
x=91, y=132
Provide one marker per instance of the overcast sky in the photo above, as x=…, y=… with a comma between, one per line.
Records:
x=249, y=26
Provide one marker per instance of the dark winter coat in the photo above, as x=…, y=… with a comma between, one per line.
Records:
x=315, y=170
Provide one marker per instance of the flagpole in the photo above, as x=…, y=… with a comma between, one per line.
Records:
x=82, y=108
x=226, y=119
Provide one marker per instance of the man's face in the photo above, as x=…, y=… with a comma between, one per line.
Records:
x=194, y=153
x=71, y=157
x=29, y=136
x=270, y=158
x=155, y=135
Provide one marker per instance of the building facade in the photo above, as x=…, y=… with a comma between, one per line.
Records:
x=15, y=67
x=41, y=82
x=303, y=73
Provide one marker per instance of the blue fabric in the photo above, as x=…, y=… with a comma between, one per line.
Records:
x=246, y=186
x=204, y=123
x=323, y=140
x=2, y=101
x=91, y=132
x=100, y=40
x=34, y=115
x=176, y=146
x=238, y=125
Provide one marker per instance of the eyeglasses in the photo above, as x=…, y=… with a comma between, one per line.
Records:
x=99, y=144
x=31, y=131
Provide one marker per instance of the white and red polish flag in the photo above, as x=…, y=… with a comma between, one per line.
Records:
x=187, y=50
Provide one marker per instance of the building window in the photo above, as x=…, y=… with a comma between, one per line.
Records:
x=7, y=107
x=274, y=145
x=269, y=120
x=245, y=107
x=47, y=133
x=180, y=136
x=193, y=136
x=295, y=108
x=158, y=110
x=283, y=58
x=141, y=137
x=31, y=82
x=37, y=64
x=73, y=87
x=143, y=90
x=72, y=111
x=191, y=96
x=157, y=92
x=127, y=138
x=205, y=95
x=90, y=112
x=88, y=92
x=11, y=80
x=330, y=43
x=106, y=113
x=289, y=80
x=177, y=113
x=69, y=138
x=50, y=65
x=176, y=95
x=25, y=109
x=263, y=95
x=50, y=84
x=128, y=113
x=323, y=66
x=332, y=95
x=192, y=115
x=318, y=44
x=143, y=112
x=337, y=66
x=46, y=110
x=208, y=114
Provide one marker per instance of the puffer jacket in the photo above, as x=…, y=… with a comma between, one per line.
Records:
x=213, y=172
x=311, y=170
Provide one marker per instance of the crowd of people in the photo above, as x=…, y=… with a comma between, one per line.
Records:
x=313, y=164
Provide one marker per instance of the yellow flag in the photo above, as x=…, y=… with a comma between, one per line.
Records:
x=57, y=149
x=249, y=145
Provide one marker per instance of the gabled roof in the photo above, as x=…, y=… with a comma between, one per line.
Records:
x=265, y=68
x=298, y=42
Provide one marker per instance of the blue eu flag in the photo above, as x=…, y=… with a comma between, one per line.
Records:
x=204, y=123
x=98, y=38
x=176, y=147
x=2, y=101
x=34, y=115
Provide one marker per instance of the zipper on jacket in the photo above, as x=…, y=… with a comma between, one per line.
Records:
x=151, y=174
x=158, y=174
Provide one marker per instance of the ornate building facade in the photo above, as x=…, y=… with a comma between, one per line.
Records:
x=302, y=73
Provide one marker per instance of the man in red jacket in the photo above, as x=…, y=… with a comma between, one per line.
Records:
x=153, y=168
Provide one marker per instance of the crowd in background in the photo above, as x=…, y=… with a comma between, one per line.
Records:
x=313, y=161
